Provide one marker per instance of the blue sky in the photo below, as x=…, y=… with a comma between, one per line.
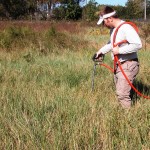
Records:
x=112, y=2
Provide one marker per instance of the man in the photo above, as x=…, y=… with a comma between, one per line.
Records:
x=127, y=53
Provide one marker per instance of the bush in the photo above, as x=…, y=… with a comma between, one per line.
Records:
x=16, y=36
x=145, y=33
x=59, y=41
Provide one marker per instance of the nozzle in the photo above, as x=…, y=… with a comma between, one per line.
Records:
x=98, y=58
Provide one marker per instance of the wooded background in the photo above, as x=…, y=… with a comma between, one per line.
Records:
x=67, y=9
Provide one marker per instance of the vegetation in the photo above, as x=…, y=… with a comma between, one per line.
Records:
x=46, y=98
x=67, y=9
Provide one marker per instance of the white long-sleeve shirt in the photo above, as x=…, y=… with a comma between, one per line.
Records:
x=128, y=50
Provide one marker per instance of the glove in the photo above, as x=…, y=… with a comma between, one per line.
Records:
x=98, y=57
x=94, y=57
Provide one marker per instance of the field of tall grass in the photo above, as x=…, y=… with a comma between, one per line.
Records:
x=46, y=100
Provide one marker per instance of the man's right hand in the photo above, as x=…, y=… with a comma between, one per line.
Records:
x=94, y=57
x=98, y=57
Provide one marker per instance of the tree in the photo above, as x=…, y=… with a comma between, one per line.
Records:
x=31, y=6
x=148, y=8
x=2, y=11
x=121, y=11
x=90, y=10
x=14, y=8
x=73, y=11
x=135, y=8
x=68, y=9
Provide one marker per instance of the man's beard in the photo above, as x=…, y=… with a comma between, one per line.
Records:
x=109, y=27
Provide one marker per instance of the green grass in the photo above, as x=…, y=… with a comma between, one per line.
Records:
x=47, y=103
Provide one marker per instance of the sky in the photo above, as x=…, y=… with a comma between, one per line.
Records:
x=112, y=2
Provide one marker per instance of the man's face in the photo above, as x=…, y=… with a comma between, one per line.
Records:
x=108, y=22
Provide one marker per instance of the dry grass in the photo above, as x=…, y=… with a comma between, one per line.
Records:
x=46, y=98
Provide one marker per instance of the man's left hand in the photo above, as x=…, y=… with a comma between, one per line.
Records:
x=115, y=50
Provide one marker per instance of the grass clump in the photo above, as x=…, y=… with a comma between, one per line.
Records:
x=62, y=41
x=15, y=37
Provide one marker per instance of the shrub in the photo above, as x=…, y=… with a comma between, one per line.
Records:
x=16, y=36
x=145, y=33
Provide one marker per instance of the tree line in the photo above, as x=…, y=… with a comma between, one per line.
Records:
x=68, y=9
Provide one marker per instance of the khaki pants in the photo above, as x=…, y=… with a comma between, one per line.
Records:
x=123, y=88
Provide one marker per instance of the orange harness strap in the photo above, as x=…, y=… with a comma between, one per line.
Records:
x=121, y=42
